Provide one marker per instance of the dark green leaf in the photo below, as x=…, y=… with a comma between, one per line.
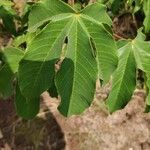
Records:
x=6, y=78
x=26, y=108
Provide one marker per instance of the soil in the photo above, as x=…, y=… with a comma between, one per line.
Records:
x=95, y=129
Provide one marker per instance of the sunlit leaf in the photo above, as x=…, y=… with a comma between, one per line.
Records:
x=87, y=57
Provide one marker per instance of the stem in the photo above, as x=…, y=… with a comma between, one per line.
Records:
x=71, y=2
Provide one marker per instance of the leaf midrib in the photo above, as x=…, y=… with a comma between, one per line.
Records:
x=122, y=78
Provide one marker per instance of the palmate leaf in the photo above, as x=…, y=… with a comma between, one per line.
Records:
x=135, y=54
x=88, y=54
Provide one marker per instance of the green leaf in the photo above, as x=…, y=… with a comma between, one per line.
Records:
x=26, y=108
x=140, y=35
x=6, y=78
x=12, y=57
x=37, y=69
x=75, y=81
x=94, y=12
x=147, y=109
x=7, y=4
x=134, y=55
x=53, y=90
x=107, y=58
x=85, y=58
x=124, y=79
x=8, y=22
x=122, y=43
x=47, y=9
x=115, y=7
x=142, y=54
x=146, y=7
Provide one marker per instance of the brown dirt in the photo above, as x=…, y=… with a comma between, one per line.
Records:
x=125, y=26
x=126, y=129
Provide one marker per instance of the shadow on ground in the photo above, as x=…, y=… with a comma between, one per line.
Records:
x=41, y=133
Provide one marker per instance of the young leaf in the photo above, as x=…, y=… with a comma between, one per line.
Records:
x=77, y=77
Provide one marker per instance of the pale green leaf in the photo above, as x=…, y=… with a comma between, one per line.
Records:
x=142, y=54
x=12, y=57
x=7, y=4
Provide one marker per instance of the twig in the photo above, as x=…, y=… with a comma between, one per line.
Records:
x=118, y=37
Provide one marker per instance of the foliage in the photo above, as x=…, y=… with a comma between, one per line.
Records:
x=7, y=14
x=78, y=39
x=133, y=55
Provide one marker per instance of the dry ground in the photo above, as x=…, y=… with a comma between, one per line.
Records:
x=95, y=129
